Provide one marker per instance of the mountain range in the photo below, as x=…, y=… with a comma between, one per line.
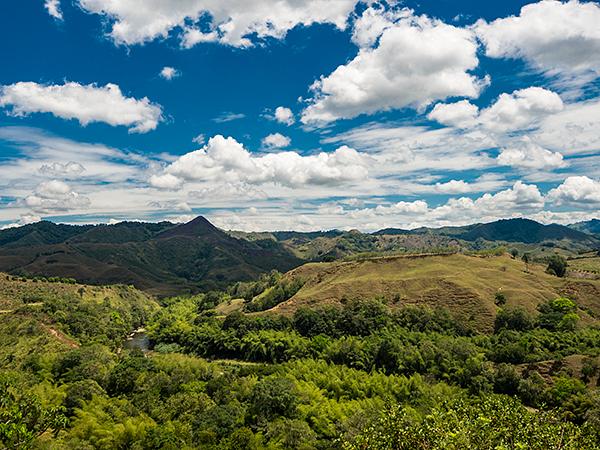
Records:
x=167, y=259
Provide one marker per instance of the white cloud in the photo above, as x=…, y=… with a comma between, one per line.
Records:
x=284, y=115
x=460, y=114
x=521, y=109
x=276, y=140
x=228, y=192
x=168, y=73
x=225, y=159
x=166, y=181
x=230, y=22
x=374, y=21
x=171, y=205
x=416, y=62
x=417, y=207
x=62, y=170
x=85, y=103
x=576, y=191
x=551, y=35
x=53, y=8
x=527, y=154
x=575, y=130
x=453, y=187
x=25, y=219
x=55, y=195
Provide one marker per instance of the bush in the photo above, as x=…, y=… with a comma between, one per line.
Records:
x=557, y=265
x=513, y=319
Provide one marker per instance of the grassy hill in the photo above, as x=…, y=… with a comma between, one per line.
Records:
x=465, y=285
x=162, y=258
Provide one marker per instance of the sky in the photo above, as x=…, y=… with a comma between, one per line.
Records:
x=299, y=114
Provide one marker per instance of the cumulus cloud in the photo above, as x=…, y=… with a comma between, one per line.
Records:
x=62, y=170
x=405, y=208
x=284, y=115
x=522, y=109
x=576, y=191
x=276, y=140
x=25, y=219
x=85, y=103
x=461, y=114
x=53, y=8
x=551, y=35
x=453, y=187
x=230, y=22
x=166, y=181
x=374, y=21
x=527, y=154
x=417, y=61
x=168, y=73
x=225, y=159
x=55, y=196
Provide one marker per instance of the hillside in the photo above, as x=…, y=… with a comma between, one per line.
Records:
x=39, y=316
x=465, y=285
x=160, y=258
x=507, y=230
x=590, y=226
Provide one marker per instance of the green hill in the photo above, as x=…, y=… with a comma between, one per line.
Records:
x=464, y=285
x=162, y=258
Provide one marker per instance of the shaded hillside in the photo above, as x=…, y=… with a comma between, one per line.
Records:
x=335, y=244
x=590, y=226
x=524, y=230
x=161, y=258
x=465, y=285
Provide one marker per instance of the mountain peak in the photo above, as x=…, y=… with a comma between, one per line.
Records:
x=200, y=226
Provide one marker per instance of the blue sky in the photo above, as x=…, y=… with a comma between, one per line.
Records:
x=304, y=114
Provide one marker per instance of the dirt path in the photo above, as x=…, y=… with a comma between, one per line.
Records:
x=62, y=337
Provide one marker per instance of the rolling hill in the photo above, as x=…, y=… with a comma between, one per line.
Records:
x=464, y=285
x=163, y=258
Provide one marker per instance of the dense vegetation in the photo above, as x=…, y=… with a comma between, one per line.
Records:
x=355, y=375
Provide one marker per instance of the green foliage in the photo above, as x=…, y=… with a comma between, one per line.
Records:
x=558, y=314
x=281, y=291
x=513, y=319
x=23, y=418
x=492, y=422
x=500, y=299
x=557, y=265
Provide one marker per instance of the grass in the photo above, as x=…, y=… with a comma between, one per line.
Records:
x=465, y=285
x=586, y=264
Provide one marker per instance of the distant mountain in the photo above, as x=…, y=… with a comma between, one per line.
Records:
x=590, y=226
x=507, y=230
x=162, y=258
x=523, y=230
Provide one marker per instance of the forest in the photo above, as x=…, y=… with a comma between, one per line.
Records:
x=357, y=376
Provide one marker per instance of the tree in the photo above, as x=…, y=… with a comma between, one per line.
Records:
x=514, y=253
x=273, y=397
x=500, y=299
x=23, y=418
x=557, y=265
x=513, y=319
